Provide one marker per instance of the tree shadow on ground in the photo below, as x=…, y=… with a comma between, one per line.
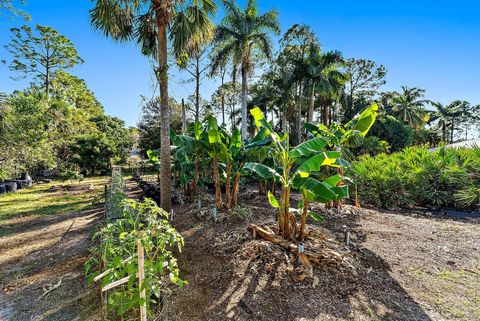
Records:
x=61, y=254
x=221, y=288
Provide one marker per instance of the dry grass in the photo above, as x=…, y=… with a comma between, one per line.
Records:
x=46, y=234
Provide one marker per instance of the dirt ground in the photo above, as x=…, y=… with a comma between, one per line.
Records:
x=40, y=250
x=406, y=266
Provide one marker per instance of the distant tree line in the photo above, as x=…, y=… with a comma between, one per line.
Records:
x=57, y=122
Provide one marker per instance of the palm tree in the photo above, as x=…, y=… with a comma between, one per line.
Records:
x=240, y=35
x=147, y=22
x=447, y=116
x=409, y=105
x=326, y=79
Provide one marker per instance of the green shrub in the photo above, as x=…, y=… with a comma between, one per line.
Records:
x=393, y=131
x=418, y=177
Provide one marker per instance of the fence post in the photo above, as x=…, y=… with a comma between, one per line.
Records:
x=141, y=277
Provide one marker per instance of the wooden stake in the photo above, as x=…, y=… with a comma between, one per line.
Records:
x=141, y=277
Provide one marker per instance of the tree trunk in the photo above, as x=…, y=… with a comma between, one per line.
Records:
x=196, y=176
x=325, y=113
x=223, y=95
x=244, y=103
x=284, y=122
x=304, y=219
x=165, y=196
x=184, y=117
x=286, y=214
x=299, y=115
x=444, y=136
x=216, y=180
x=197, y=89
x=228, y=199
x=451, y=134
x=261, y=188
x=236, y=186
x=312, y=104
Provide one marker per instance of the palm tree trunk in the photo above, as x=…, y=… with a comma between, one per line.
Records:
x=184, y=117
x=325, y=113
x=299, y=115
x=223, y=96
x=197, y=89
x=236, y=186
x=244, y=103
x=162, y=74
x=312, y=104
x=444, y=136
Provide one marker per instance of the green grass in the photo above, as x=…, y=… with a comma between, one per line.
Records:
x=42, y=200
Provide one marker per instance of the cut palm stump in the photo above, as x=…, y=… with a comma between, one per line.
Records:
x=319, y=256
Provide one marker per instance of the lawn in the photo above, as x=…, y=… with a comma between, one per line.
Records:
x=45, y=236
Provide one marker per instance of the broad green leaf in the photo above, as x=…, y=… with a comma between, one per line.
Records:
x=197, y=130
x=300, y=204
x=318, y=191
x=333, y=180
x=365, y=120
x=261, y=170
x=236, y=139
x=273, y=201
x=315, y=216
x=314, y=145
x=214, y=136
x=314, y=163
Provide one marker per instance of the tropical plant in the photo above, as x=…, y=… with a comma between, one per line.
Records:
x=41, y=54
x=241, y=35
x=450, y=116
x=298, y=168
x=326, y=80
x=409, y=105
x=393, y=131
x=147, y=22
x=139, y=223
x=415, y=176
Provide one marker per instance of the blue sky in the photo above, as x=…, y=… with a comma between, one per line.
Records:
x=433, y=45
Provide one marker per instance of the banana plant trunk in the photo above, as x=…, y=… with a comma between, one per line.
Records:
x=236, y=186
x=216, y=181
x=162, y=74
x=228, y=198
x=304, y=218
x=196, y=177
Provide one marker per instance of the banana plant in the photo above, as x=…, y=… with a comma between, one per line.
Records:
x=343, y=137
x=298, y=168
x=216, y=149
x=188, y=154
x=233, y=162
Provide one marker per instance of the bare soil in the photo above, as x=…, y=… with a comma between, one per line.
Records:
x=42, y=252
x=406, y=266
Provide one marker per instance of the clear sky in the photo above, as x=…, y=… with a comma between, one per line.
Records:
x=434, y=45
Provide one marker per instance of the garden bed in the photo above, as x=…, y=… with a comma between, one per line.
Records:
x=404, y=266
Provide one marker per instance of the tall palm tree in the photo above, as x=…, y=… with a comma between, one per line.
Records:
x=241, y=34
x=447, y=116
x=326, y=79
x=147, y=22
x=409, y=106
